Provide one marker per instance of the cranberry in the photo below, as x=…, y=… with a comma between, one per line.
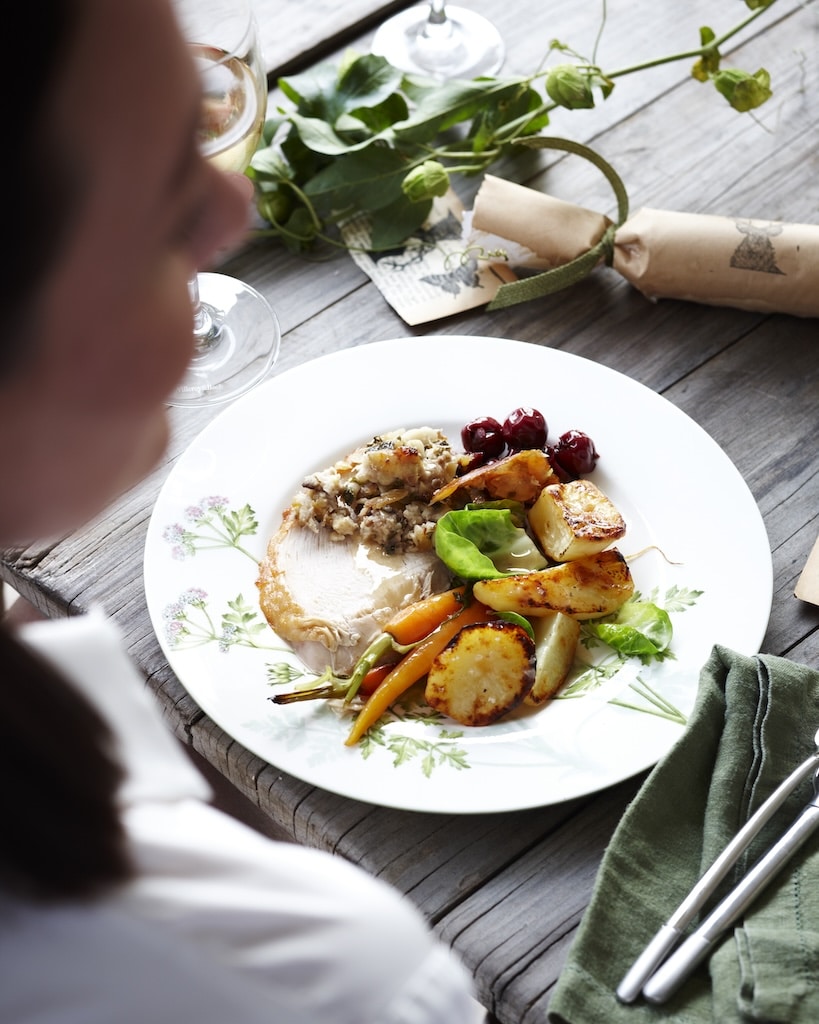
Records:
x=525, y=428
x=575, y=453
x=484, y=436
x=560, y=472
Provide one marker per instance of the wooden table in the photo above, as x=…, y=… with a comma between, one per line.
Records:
x=509, y=889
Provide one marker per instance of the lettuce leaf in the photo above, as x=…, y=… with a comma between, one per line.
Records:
x=484, y=542
x=639, y=630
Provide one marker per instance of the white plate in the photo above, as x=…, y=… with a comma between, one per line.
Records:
x=686, y=508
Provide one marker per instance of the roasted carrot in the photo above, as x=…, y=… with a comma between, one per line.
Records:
x=406, y=627
x=404, y=630
x=417, y=620
x=412, y=667
x=373, y=679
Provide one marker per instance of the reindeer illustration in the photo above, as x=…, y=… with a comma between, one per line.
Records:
x=756, y=251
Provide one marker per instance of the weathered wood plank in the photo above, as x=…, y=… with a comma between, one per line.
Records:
x=440, y=859
x=295, y=34
x=767, y=421
x=515, y=931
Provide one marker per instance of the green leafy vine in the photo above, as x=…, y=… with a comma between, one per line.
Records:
x=361, y=138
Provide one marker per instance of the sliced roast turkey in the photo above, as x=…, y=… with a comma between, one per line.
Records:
x=328, y=598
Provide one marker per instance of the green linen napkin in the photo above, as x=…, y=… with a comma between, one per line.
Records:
x=754, y=720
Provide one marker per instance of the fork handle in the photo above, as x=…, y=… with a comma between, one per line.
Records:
x=696, y=947
x=654, y=953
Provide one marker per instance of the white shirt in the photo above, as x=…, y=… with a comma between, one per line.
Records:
x=221, y=925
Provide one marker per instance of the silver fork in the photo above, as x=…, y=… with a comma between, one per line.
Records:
x=657, y=987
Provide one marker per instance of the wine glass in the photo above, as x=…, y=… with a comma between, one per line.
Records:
x=236, y=332
x=440, y=41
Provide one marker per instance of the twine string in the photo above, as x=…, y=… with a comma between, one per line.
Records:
x=581, y=266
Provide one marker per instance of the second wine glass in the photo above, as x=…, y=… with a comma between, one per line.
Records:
x=441, y=41
x=236, y=333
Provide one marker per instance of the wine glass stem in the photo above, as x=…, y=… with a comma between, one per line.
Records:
x=437, y=12
x=437, y=29
x=205, y=328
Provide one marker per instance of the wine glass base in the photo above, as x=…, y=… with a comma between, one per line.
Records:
x=242, y=351
x=465, y=46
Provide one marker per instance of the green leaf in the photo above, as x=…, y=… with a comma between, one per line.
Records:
x=626, y=640
x=639, y=630
x=267, y=165
x=326, y=93
x=518, y=620
x=367, y=180
x=368, y=81
x=378, y=119
x=397, y=222
x=484, y=543
x=313, y=91
x=442, y=107
x=271, y=127
x=320, y=136
x=300, y=230
x=709, y=62
x=303, y=162
x=492, y=117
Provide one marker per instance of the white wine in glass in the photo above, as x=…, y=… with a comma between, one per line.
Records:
x=233, y=111
x=440, y=41
x=236, y=332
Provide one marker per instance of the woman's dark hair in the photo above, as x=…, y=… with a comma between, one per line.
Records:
x=40, y=181
x=61, y=832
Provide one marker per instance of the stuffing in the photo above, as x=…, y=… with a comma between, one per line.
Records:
x=381, y=492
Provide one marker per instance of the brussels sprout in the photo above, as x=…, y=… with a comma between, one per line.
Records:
x=484, y=543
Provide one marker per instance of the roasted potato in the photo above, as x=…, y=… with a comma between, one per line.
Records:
x=556, y=638
x=585, y=588
x=487, y=669
x=574, y=519
x=518, y=477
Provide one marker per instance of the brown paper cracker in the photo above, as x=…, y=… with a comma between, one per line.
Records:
x=807, y=587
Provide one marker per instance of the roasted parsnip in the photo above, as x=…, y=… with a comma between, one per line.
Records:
x=518, y=477
x=556, y=638
x=585, y=588
x=482, y=673
x=574, y=519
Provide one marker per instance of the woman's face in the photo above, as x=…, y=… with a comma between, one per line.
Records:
x=84, y=417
